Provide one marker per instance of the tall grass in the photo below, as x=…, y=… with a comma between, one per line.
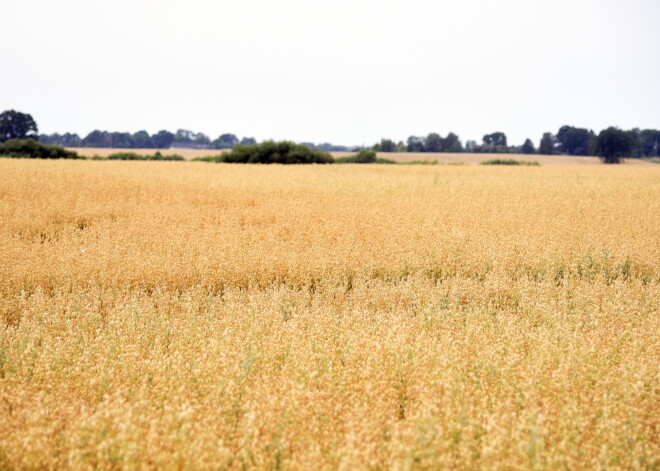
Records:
x=327, y=317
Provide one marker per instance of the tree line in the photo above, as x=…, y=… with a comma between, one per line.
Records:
x=610, y=144
x=143, y=140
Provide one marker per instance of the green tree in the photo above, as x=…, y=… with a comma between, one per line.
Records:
x=495, y=139
x=17, y=125
x=416, y=144
x=270, y=152
x=574, y=141
x=248, y=141
x=433, y=143
x=225, y=141
x=385, y=145
x=547, y=145
x=528, y=147
x=650, y=142
x=452, y=143
x=613, y=145
x=142, y=140
x=162, y=139
x=97, y=138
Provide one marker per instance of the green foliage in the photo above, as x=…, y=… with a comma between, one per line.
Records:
x=528, y=147
x=134, y=156
x=270, y=152
x=530, y=163
x=17, y=125
x=574, y=141
x=495, y=139
x=225, y=141
x=364, y=156
x=31, y=149
x=385, y=145
x=547, y=145
x=421, y=162
x=613, y=145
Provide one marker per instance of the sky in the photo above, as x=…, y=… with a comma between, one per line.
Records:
x=343, y=71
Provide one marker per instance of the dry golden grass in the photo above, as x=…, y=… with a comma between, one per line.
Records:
x=200, y=316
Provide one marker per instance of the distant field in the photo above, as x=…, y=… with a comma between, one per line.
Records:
x=166, y=315
x=471, y=159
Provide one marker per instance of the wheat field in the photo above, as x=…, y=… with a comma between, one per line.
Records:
x=178, y=315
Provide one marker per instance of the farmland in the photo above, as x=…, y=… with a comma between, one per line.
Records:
x=442, y=158
x=211, y=316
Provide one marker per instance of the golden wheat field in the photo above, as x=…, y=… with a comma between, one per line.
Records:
x=178, y=315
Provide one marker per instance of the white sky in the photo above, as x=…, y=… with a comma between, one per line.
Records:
x=343, y=71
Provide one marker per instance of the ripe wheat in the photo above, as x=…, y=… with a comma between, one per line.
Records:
x=195, y=316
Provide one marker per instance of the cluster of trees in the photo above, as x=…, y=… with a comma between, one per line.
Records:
x=143, y=140
x=610, y=144
x=269, y=152
x=33, y=149
x=434, y=142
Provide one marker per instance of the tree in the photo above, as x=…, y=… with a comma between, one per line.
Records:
x=574, y=141
x=225, y=141
x=528, y=147
x=495, y=139
x=547, y=145
x=184, y=135
x=637, y=145
x=613, y=145
x=270, y=152
x=17, y=125
x=650, y=142
x=433, y=143
x=248, y=141
x=142, y=140
x=416, y=144
x=163, y=139
x=452, y=143
x=385, y=145
x=97, y=138
x=33, y=149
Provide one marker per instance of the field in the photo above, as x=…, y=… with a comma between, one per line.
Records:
x=178, y=315
x=443, y=158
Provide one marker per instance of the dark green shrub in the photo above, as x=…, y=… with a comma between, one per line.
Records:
x=531, y=163
x=126, y=156
x=421, y=162
x=364, y=156
x=136, y=156
x=270, y=152
x=31, y=149
x=159, y=156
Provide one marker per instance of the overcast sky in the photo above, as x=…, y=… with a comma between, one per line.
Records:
x=342, y=71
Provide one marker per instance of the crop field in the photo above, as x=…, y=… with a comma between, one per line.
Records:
x=402, y=157
x=185, y=315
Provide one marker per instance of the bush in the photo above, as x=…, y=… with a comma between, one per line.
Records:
x=421, y=162
x=364, y=156
x=531, y=163
x=270, y=152
x=31, y=149
x=135, y=156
